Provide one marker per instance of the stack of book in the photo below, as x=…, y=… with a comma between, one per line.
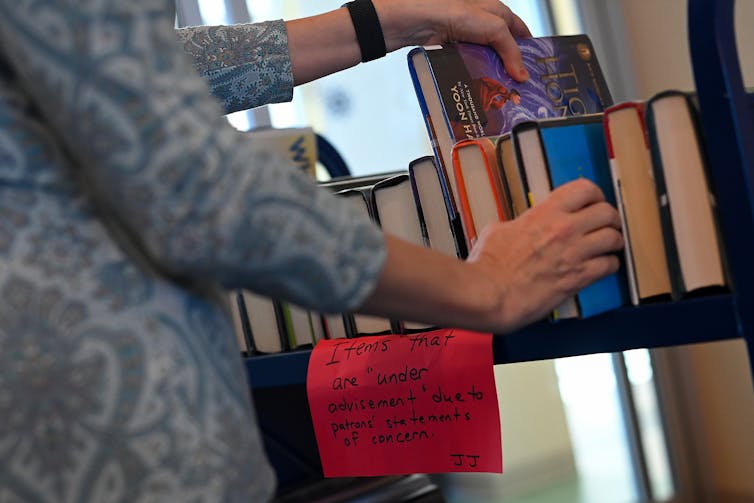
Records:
x=413, y=205
x=264, y=325
x=501, y=147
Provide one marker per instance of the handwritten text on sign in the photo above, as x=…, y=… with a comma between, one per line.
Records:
x=419, y=403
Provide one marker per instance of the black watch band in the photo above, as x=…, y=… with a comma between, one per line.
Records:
x=368, y=29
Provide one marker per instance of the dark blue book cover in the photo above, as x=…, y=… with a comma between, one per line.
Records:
x=423, y=185
x=576, y=148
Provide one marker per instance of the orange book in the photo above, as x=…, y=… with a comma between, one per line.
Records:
x=481, y=194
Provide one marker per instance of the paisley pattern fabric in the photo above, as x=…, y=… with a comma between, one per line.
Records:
x=246, y=65
x=125, y=199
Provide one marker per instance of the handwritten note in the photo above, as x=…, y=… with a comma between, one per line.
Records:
x=420, y=403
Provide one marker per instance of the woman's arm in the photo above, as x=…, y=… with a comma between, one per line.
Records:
x=326, y=43
x=248, y=65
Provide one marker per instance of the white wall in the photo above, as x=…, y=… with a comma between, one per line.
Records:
x=658, y=44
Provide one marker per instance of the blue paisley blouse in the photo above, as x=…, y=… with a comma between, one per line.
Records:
x=125, y=201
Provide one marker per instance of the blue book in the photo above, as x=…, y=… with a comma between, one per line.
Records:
x=554, y=152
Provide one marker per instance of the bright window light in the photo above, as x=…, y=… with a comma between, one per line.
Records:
x=213, y=12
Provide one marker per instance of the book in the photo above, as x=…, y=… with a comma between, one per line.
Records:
x=553, y=152
x=363, y=324
x=264, y=319
x=356, y=181
x=394, y=210
x=439, y=218
x=342, y=325
x=298, y=144
x=636, y=198
x=464, y=92
x=481, y=196
x=686, y=203
x=297, y=326
x=303, y=327
x=240, y=325
x=511, y=175
x=336, y=326
x=318, y=326
x=532, y=162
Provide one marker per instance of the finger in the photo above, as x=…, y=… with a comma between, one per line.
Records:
x=491, y=25
x=501, y=38
x=505, y=45
x=600, y=242
x=518, y=28
x=597, y=268
x=576, y=195
x=597, y=216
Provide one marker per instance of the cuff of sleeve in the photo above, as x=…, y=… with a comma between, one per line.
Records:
x=369, y=259
x=246, y=65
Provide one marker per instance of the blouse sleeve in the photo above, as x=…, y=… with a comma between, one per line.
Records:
x=246, y=65
x=203, y=200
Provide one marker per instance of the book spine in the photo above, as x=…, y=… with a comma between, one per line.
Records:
x=467, y=220
x=350, y=324
x=696, y=119
x=519, y=155
x=666, y=219
x=241, y=322
x=424, y=189
x=505, y=185
x=419, y=208
x=282, y=317
x=485, y=146
x=627, y=253
x=421, y=52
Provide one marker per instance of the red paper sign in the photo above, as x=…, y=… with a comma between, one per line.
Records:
x=398, y=404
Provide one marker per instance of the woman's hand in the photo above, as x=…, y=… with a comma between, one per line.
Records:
x=517, y=272
x=326, y=43
x=428, y=22
x=550, y=252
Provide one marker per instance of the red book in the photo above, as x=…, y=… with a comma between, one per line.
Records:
x=636, y=198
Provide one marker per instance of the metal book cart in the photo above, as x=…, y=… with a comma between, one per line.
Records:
x=727, y=114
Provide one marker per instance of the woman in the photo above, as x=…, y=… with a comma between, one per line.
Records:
x=126, y=202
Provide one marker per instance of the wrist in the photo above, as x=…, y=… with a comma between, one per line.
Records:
x=368, y=29
x=419, y=284
x=405, y=23
x=483, y=299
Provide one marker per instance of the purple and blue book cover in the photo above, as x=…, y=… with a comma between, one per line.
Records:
x=481, y=99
